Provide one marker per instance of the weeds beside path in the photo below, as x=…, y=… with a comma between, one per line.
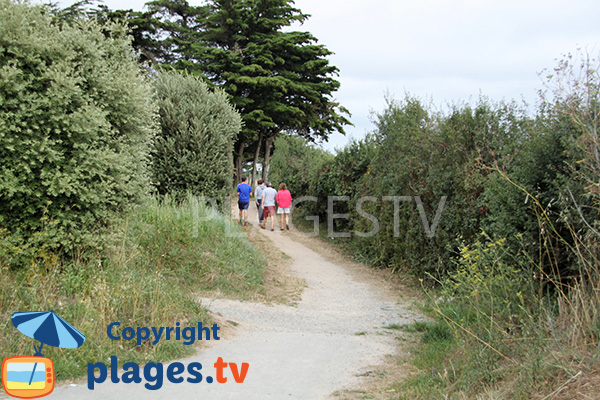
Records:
x=152, y=263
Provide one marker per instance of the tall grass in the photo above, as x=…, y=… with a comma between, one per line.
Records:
x=518, y=332
x=154, y=263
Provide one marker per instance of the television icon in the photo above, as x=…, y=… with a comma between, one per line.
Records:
x=28, y=377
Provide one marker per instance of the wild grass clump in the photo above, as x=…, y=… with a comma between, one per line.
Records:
x=198, y=246
x=517, y=333
x=157, y=259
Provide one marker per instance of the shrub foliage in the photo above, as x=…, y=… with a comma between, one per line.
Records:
x=76, y=124
x=193, y=152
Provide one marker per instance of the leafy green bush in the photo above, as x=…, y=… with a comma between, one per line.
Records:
x=444, y=160
x=76, y=123
x=193, y=152
x=344, y=176
x=527, y=196
x=310, y=171
x=296, y=162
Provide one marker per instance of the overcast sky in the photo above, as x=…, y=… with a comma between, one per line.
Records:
x=438, y=50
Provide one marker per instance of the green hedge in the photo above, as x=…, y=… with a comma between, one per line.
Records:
x=76, y=124
x=483, y=159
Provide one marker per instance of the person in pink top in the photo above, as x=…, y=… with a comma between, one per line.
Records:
x=284, y=205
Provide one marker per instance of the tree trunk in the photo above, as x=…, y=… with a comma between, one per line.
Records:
x=256, y=154
x=267, y=163
x=239, y=163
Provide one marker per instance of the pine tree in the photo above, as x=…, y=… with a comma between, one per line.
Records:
x=279, y=81
x=177, y=25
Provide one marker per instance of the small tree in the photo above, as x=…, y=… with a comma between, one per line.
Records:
x=194, y=147
x=280, y=81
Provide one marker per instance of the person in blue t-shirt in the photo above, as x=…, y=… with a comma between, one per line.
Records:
x=244, y=192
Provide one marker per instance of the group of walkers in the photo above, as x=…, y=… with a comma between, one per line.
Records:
x=266, y=199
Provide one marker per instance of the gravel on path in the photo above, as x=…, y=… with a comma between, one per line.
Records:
x=322, y=344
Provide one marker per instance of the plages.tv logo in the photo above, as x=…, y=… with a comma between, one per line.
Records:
x=31, y=377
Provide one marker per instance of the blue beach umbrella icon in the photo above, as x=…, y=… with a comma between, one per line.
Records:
x=48, y=328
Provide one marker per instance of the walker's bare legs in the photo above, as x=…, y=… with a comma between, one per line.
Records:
x=244, y=220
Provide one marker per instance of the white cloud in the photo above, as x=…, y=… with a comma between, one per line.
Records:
x=446, y=51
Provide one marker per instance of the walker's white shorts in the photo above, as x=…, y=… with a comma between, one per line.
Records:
x=283, y=210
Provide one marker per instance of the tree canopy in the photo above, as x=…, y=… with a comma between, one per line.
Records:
x=278, y=79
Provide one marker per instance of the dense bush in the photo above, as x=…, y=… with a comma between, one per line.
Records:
x=193, y=152
x=436, y=157
x=441, y=161
x=76, y=124
x=498, y=168
x=296, y=163
x=526, y=196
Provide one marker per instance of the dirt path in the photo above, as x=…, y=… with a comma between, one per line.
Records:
x=323, y=344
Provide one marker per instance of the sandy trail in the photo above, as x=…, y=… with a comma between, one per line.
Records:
x=307, y=351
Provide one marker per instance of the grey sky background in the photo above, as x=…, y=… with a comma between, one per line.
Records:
x=440, y=51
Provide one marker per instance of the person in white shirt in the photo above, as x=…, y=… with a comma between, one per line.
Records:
x=258, y=192
x=268, y=205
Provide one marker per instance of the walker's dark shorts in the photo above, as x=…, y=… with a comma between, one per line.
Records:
x=243, y=205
